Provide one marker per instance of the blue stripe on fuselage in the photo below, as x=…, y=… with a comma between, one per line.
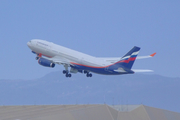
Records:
x=102, y=70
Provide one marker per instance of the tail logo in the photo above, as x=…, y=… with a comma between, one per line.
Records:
x=129, y=58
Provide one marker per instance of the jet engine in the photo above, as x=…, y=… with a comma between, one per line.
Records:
x=45, y=62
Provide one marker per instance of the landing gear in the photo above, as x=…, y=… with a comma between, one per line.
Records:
x=68, y=75
x=37, y=58
x=89, y=74
x=85, y=72
x=66, y=72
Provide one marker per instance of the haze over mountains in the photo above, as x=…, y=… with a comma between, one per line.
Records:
x=54, y=88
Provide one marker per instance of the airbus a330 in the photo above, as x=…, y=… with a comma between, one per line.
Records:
x=50, y=54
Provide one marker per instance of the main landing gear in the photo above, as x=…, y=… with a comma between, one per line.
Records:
x=66, y=72
x=88, y=74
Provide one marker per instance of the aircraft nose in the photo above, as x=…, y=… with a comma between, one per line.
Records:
x=28, y=44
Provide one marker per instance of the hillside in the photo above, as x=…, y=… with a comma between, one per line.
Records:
x=152, y=90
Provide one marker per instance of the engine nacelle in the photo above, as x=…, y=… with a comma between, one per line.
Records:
x=45, y=62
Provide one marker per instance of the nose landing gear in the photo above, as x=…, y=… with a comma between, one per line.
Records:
x=37, y=58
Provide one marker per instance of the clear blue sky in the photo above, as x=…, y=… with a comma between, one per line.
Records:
x=104, y=28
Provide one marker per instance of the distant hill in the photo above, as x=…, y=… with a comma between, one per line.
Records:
x=54, y=88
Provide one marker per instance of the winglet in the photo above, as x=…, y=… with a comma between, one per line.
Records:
x=152, y=55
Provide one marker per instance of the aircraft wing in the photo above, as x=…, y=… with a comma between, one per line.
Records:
x=148, y=56
x=59, y=60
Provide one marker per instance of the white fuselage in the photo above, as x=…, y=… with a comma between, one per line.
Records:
x=51, y=50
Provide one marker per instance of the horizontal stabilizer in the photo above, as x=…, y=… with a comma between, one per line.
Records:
x=141, y=70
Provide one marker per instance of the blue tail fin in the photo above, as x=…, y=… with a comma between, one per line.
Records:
x=128, y=59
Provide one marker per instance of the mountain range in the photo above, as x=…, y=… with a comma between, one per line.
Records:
x=54, y=88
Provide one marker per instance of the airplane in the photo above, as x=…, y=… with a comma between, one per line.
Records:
x=49, y=54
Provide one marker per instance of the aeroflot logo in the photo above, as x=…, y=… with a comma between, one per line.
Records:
x=42, y=43
x=133, y=54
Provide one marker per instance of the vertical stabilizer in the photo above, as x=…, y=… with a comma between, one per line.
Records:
x=128, y=59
